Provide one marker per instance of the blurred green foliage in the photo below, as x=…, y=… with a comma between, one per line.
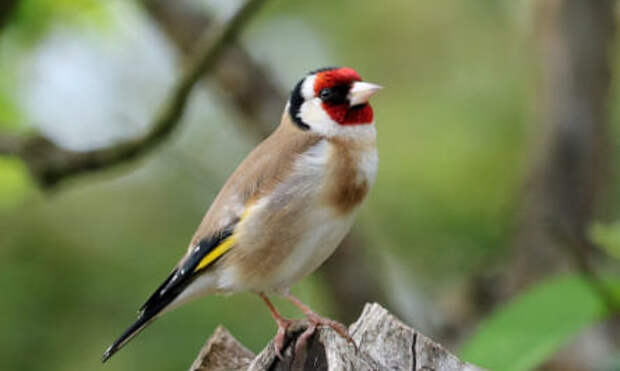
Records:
x=34, y=18
x=16, y=184
x=607, y=236
x=9, y=115
x=532, y=327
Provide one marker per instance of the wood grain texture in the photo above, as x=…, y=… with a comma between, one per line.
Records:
x=222, y=352
x=383, y=341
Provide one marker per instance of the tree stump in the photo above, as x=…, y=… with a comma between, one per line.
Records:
x=384, y=343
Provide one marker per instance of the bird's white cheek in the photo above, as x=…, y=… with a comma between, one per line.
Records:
x=307, y=89
x=311, y=111
x=313, y=114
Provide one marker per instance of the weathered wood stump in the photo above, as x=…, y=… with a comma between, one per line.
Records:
x=384, y=343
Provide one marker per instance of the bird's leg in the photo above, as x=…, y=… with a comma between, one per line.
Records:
x=316, y=320
x=282, y=323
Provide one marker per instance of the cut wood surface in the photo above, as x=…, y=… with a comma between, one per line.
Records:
x=383, y=342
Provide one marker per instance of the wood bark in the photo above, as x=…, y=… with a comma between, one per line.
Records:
x=383, y=343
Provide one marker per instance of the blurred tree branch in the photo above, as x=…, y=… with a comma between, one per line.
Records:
x=10, y=144
x=6, y=11
x=569, y=166
x=49, y=163
x=248, y=85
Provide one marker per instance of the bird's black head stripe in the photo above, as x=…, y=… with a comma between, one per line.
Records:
x=322, y=70
x=295, y=103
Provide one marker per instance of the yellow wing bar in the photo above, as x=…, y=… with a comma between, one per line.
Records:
x=217, y=252
x=225, y=245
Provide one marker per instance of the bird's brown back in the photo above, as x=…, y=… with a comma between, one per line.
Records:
x=256, y=176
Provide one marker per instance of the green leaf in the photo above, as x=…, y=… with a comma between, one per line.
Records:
x=15, y=182
x=33, y=18
x=531, y=328
x=9, y=115
x=607, y=236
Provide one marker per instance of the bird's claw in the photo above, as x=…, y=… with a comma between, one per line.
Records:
x=302, y=340
x=316, y=320
x=280, y=339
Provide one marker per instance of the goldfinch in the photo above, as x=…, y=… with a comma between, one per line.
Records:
x=285, y=209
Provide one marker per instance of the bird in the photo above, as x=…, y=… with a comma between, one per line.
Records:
x=286, y=207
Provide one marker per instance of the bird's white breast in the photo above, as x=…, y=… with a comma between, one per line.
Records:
x=290, y=232
x=322, y=227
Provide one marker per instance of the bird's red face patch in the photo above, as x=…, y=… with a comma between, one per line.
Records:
x=332, y=86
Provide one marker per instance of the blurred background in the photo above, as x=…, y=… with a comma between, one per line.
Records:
x=494, y=226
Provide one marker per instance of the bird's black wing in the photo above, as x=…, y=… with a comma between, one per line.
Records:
x=203, y=254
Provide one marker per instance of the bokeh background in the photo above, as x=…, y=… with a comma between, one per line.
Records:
x=492, y=226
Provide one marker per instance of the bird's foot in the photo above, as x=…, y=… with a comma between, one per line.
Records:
x=316, y=321
x=302, y=341
x=279, y=341
x=283, y=324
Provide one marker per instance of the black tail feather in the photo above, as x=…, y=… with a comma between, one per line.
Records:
x=149, y=311
x=165, y=294
x=132, y=331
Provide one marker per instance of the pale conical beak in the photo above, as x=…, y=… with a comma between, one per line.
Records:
x=362, y=91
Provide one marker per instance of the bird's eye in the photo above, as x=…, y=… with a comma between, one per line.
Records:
x=334, y=94
x=325, y=94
